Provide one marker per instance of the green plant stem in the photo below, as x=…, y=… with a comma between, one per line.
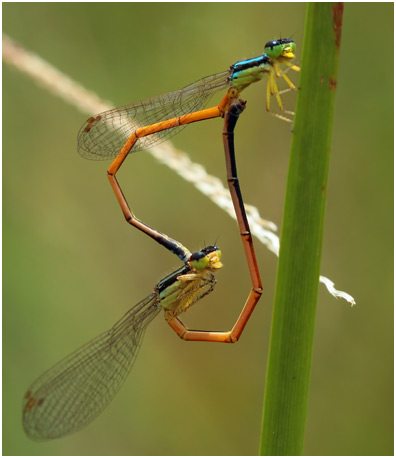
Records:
x=292, y=332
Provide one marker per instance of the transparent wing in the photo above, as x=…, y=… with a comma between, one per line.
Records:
x=103, y=136
x=76, y=390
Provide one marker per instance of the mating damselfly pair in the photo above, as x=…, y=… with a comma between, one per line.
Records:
x=74, y=391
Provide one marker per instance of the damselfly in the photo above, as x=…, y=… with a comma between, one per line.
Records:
x=73, y=392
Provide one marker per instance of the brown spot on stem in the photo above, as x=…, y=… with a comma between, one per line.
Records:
x=337, y=11
x=332, y=83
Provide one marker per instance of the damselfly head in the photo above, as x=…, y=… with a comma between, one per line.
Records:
x=208, y=258
x=284, y=47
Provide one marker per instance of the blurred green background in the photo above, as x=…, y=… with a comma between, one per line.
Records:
x=72, y=266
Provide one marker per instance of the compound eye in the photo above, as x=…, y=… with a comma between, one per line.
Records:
x=271, y=44
x=197, y=256
x=199, y=260
x=273, y=49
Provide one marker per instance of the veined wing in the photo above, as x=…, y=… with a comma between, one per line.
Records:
x=76, y=390
x=102, y=137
